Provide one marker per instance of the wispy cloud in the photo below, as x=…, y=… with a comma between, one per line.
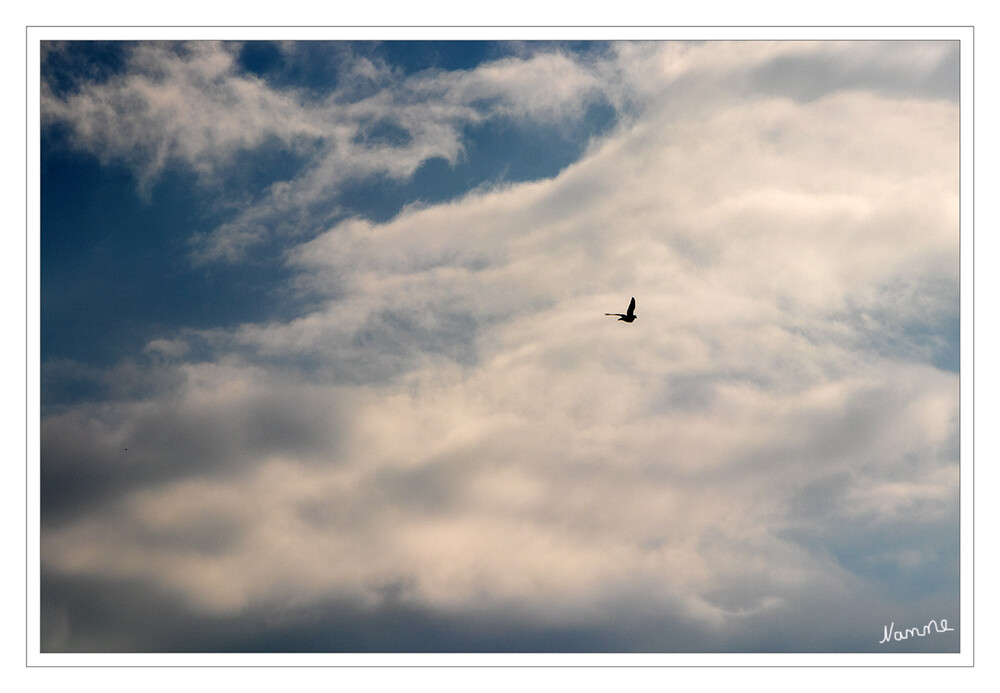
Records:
x=192, y=104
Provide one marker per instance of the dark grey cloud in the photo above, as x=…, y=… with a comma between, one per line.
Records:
x=93, y=454
x=80, y=615
x=805, y=77
x=85, y=615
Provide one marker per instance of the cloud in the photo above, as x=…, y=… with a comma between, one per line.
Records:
x=455, y=432
x=193, y=104
x=184, y=103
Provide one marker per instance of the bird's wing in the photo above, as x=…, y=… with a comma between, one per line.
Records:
x=631, y=307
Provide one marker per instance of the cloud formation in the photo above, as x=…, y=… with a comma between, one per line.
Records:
x=195, y=105
x=453, y=436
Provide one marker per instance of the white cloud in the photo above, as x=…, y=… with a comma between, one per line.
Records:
x=477, y=433
x=546, y=85
x=168, y=348
x=193, y=105
x=189, y=105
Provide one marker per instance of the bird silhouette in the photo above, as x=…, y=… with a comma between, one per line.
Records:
x=630, y=315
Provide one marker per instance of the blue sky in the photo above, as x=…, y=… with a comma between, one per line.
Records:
x=343, y=303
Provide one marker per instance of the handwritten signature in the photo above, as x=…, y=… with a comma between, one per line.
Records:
x=891, y=634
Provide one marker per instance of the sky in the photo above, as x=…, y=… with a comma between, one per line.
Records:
x=325, y=365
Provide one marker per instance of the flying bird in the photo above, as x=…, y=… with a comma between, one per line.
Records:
x=630, y=315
